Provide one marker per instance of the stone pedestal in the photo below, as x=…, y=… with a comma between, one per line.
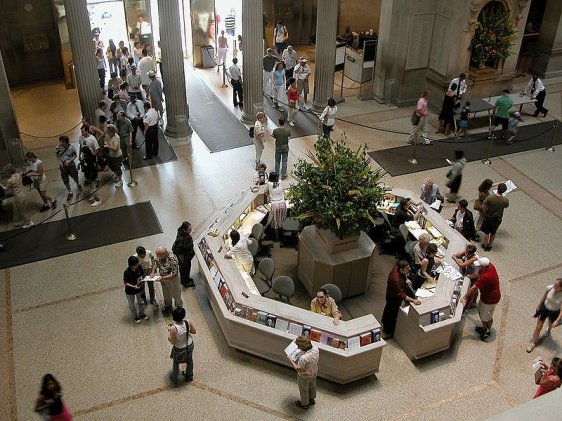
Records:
x=173, y=70
x=325, y=59
x=350, y=270
x=252, y=64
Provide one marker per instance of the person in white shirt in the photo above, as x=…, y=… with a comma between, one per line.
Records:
x=302, y=73
x=236, y=82
x=280, y=36
x=289, y=57
x=259, y=135
x=134, y=83
x=274, y=190
x=549, y=307
x=89, y=140
x=146, y=64
x=328, y=117
x=240, y=252
x=135, y=113
x=150, y=120
x=145, y=31
x=148, y=264
x=460, y=83
x=536, y=89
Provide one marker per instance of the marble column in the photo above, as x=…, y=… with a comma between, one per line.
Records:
x=325, y=61
x=548, y=62
x=173, y=70
x=83, y=54
x=11, y=151
x=252, y=64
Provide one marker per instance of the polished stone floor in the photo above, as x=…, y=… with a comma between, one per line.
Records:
x=68, y=315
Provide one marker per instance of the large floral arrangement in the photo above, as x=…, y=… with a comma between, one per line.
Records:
x=492, y=40
x=337, y=189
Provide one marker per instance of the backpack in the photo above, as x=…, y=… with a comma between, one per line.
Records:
x=251, y=131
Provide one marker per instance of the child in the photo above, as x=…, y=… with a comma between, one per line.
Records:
x=512, y=126
x=463, y=122
x=113, y=85
x=293, y=97
x=260, y=177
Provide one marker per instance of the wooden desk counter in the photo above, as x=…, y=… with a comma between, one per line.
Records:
x=338, y=365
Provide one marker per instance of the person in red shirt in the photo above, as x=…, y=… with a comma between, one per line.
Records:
x=488, y=284
x=397, y=288
x=550, y=378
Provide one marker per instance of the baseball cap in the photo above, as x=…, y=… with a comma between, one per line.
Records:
x=483, y=261
x=151, y=73
x=290, y=47
x=303, y=59
x=133, y=66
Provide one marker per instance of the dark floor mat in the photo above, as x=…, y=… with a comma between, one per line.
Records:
x=45, y=241
x=217, y=127
x=475, y=147
x=165, y=151
x=306, y=122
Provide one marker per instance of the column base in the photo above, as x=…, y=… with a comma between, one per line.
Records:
x=179, y=128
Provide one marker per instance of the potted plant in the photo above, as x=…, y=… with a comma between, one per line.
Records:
x=492, y=39
x=337, y=190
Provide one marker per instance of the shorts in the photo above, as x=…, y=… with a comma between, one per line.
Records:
x=491, y=225
x=544, y=312
x=69, y=170
x=486, y=311
x=502, y=121
x=40, y=184
x=463, y=124
x=302, y=85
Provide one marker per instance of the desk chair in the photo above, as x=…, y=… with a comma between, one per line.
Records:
x=404, y=231
x=334, y=292
x=264, y=275
x=291, y=226
x=257, y=234
x=284, y=287
x=253, y=246
x=409, y=249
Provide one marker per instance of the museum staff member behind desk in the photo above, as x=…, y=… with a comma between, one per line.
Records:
x=398, y=289
x=325, y=305
x=240, y=252
x=401, y=214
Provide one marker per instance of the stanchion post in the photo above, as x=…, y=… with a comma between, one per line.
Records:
x=413, y=159
x=487, y=159
x=550, y=148
x=70, y=236
x=224, y=85
x=131, y=183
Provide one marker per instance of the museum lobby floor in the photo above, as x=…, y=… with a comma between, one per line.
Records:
x=68, y=315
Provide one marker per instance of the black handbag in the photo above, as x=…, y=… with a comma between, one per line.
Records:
x=415, y=118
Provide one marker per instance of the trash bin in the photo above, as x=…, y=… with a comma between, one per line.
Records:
x=208, y=56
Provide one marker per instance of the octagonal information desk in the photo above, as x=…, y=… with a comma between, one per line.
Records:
x=264, y=327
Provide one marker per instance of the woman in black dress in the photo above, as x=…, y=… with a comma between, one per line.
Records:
x=447, y=115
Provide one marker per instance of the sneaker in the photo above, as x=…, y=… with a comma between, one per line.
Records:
x=292, y=123
x=428, y=143
x=274, y=105
x=119, y=183
x=30, y=224
x=311, y=402
x=44, y=208
x=480, y=329
x=300, y=405
x=80, y=188
x=305, y=107
x=485, y=335
x=54, y=203
x=137, y=319
x=530, y=347
x=547, y=333
x=144, y=317
x=91, y=199
x=96, y=202
x=281, y=109
x=69, y=196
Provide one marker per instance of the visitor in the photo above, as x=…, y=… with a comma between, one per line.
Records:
x=236, y=82
x=550, y=378
x=180, y=336
x=221, y=50
x=167, y=265
x=259, y=136
x=133, y=280
x=328, y=117
x=548, y=308
x=37, y=174
x=454, y=176
x=501, y=111
x=280, y=36
x=183, y=249
x=281, y=136
x=15, y=186
x=151, y=142
x=447, y=114
x=483, y=193
x=493, y=209
x=513, y=127
x=269, y=61
x=302, y=73
x=66, y=154
x=307, y=370
x=274, y=192
x=279, y=83
x=240, y=252
x=292, y=98
x=148, y=265
x=422, y=112
x=429, y=191
x=113, y=143
x=261, y=177
x=89, y=166
x=289, y=58
x=463, y=121
x=428, y=267
x=49, y=404
x=465, y=261
x=463, y=220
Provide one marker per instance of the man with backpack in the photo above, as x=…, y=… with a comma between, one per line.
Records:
x=280, y=35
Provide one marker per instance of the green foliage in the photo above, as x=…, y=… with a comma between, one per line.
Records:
x=493, y=38
x=337, y=190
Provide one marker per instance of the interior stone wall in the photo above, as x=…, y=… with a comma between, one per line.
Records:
x=359, y=15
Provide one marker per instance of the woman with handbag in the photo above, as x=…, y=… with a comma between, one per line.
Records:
x=182, y=351
x=328, y=117
x=483, y=193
